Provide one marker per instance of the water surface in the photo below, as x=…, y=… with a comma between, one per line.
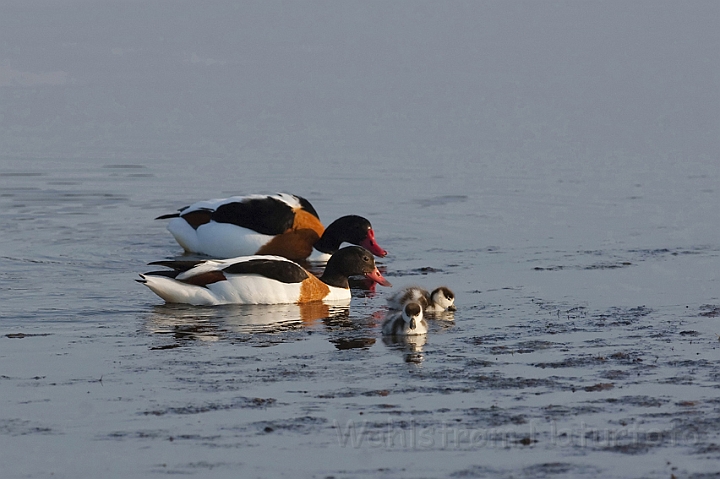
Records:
x=568, y=355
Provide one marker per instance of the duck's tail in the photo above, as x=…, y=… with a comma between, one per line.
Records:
x=175, y=291
x=167, y=217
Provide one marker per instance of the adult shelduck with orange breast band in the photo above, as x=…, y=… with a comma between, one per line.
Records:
x=260, y=279
x=281, y=224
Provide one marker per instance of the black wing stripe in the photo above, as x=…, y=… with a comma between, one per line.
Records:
x=202, y=279
x=167, y=274
x=283, y=271
x=172, y=215
x=268, y=216
x=167, y=217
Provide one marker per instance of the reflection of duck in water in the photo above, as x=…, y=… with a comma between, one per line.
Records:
x=440, y=299
x=352, y=343
x=408, y=322
x=184, y=322
x=282, y=224
x=278, y=317
x=260, y=279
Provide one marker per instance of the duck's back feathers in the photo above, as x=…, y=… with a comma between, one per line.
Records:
x=274, y=267
x=283, y=271
x=264, y=214
x=267, y=215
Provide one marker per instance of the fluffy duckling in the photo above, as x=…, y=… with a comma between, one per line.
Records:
x=440, y=299
x=408, y=322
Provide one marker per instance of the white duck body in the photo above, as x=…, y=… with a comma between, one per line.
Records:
x=318, y=256
x=236, y=288
x=219, y=240
x=259, y=279
x=408, y=322
x=441, y=299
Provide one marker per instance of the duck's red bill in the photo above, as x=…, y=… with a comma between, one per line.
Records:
x=371, y=245
x=378, y=278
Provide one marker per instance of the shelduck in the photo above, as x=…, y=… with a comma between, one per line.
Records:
x=260, y=279
x=408, y=322
x=281, y=224
x=441, y=299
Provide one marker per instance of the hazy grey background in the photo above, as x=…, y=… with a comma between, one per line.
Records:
x=459, y=82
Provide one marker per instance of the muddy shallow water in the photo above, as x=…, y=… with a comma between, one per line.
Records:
x=585, y=343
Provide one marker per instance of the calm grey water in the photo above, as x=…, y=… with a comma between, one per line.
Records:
x=556, y=165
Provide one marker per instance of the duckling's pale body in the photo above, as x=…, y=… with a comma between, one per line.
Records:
x=408, y=322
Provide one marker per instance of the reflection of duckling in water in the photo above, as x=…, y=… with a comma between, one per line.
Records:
x=440, y=299
x=407, y=322
x=410, y=346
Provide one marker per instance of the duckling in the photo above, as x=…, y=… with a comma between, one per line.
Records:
x=408, y=322
x=441, y=299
